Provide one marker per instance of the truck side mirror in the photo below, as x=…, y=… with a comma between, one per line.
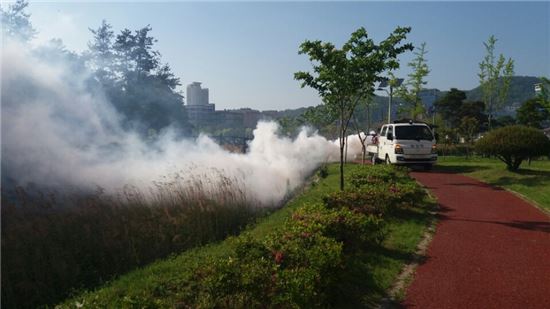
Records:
x=390, y=137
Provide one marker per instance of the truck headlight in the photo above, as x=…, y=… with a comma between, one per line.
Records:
x=434, y=149
x=398, y=149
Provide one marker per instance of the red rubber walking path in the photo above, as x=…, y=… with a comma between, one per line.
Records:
x=491, y=249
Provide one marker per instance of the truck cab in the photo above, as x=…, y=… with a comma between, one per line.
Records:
x=411, y=143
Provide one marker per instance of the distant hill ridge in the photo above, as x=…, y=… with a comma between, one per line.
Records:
x=522, y=88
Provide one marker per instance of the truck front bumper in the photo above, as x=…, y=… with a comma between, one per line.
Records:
x=408, y=159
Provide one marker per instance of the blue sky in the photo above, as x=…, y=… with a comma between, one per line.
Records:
x=246, y=52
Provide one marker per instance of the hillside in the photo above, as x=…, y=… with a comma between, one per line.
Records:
x=522, y=88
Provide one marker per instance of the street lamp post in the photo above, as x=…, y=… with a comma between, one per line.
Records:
x=385, y=83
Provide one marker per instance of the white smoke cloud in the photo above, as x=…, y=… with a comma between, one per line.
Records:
x=55, y=133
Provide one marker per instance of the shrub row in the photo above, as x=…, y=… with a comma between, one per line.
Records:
x=455, y=149
x=302, y=263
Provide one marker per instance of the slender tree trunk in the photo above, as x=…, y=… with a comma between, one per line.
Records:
x=342, y=144
x=341, y=168
x=346, y=150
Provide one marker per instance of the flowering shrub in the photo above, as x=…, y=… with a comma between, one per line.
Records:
x=292, y=267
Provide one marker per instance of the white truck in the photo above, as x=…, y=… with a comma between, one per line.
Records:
x=411, y=143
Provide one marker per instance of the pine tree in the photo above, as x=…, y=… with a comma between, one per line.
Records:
x=101, y=54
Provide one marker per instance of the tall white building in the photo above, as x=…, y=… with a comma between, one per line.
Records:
x=196, y=95
x=199, y=110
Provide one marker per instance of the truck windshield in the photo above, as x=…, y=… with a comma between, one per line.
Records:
x=413, y=132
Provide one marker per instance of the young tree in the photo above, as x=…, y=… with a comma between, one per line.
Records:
x=494, y=77
x=532, y=113
x=16, y=23
x=362, y=139
x=469, y=126
x=410, y=90
x=344, y=76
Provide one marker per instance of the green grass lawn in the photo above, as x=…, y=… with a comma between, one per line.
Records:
x=531, y=181
x=370, y=275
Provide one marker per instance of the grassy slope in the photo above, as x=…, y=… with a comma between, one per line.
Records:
x=532, y=181
x=374, y=273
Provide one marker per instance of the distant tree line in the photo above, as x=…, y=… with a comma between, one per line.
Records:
x=126, y=67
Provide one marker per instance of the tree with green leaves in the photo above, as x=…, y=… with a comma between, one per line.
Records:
x=345, y=76
x=448, y=105
x=532, y=113
x=469, y=126
x=16, y=23
x=495, y=76
x=410, y=90
x=129, y=71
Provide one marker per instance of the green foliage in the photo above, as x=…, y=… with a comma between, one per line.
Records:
x=448, y=105
x=345, y=76
x=128, y=69
x=494, y=78
x=323, y=171
x=513, y=144
x=469, y=126
x=290, y=126
x=377, y=190
x=410, y=90
x=319, y=116
x=467, y=117
x=533, y=113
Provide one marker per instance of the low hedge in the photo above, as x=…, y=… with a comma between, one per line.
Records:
x=455, y=149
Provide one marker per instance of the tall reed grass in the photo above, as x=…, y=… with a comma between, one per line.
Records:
x=55, y=244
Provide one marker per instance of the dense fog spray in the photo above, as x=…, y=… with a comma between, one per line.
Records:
x=56, y=133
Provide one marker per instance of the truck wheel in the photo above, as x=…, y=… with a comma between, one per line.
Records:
x=428, y=167
x=388, y=160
